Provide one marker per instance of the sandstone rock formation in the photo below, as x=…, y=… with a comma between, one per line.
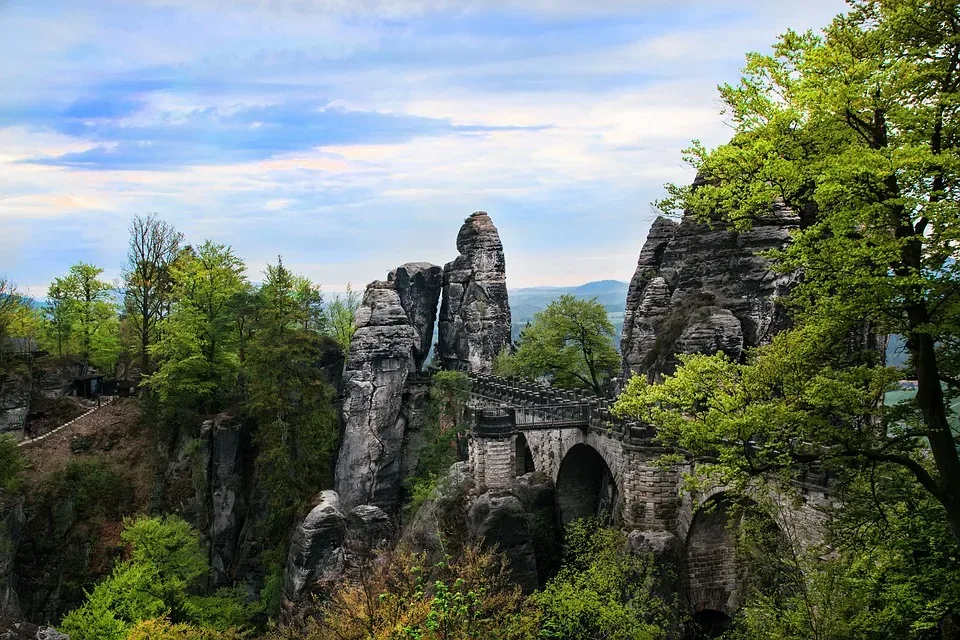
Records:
x=29, y=631
x=499, y=519
x=418, y=285
x=380, y=360
x=15, y=392
x=316, y=551
x=368, y=528
x=475, y=310
x=702, y=289
x=228, y=495
x=442, y=509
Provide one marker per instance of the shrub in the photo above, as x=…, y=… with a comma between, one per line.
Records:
x=160, y=578
x=602, y=591
x=398, y=596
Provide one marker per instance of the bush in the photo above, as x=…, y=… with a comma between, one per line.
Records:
x=398, y=597
x=160, y=578
x=603, y=591
x=161, y=629
x=11, y=464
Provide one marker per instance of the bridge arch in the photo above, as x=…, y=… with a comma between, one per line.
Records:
x=525, y=462
x=712, y=584
x=585, y=486
x=716, y=569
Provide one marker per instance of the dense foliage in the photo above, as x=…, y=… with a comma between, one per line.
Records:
x=603, y=590
x=443, y=430
x=856, y=131
x=468, y=597
x=161, y=577
x=569, y=344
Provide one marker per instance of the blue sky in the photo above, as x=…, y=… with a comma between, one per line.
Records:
x=353, y=135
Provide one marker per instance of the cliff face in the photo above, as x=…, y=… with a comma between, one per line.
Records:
x=703, y=289
x=380, y=360
x=475, y=309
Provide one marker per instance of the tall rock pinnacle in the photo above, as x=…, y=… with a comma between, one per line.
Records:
x=380, y=360
x=475, y=309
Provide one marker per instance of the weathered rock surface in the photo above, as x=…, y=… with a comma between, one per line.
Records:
x=12, y=521
x=28, y=631
x=368, y=528
x=15, y=391
x=418, y=285
x=228, y=494
x=666, y=549
x=475, y=309
x=499, y=518
x=208, y=483
x=702, y=289
x=316, y=550
x=442, y=512
x=380, y=360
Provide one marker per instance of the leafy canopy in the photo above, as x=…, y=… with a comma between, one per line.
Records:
x=570, y=343
x=160, y=578
x=855, y=131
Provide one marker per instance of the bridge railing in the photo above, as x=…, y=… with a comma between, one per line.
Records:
x=541, y=406
x=553, y=416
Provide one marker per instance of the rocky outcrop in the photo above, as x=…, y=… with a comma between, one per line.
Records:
x=15, y=391
x=699, y=288
x=28, y=631
x=475, y=310
x=666, y=551
x=499, y=519
x=12, y=521
x=442, y=514
x=418, y=286
x=228, y=494
x=316, y=550
x=380, y=360
x=368, y=528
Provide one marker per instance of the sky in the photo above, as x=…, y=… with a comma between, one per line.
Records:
x=350, y=136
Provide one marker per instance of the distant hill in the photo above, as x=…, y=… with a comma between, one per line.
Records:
x=528, y=301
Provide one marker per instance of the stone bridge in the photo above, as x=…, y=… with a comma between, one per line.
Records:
x=601, y=464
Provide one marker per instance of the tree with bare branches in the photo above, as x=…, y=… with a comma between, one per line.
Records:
x=154, y=245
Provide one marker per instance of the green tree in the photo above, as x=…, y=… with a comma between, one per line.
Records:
x=58, y=313
x=887, y=574
x=197, y=361
x=147, y=280
x=309, y=305
x=341, y=318
x=603, y=590
x=570, y=343
x=160, y=577
x=297, y=428
x=83, y=316
x=856, y=131
x=10, y=305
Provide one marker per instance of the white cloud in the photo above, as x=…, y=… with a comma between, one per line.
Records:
x=277, y=204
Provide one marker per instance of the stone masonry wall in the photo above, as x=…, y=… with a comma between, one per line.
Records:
x=493, y=461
